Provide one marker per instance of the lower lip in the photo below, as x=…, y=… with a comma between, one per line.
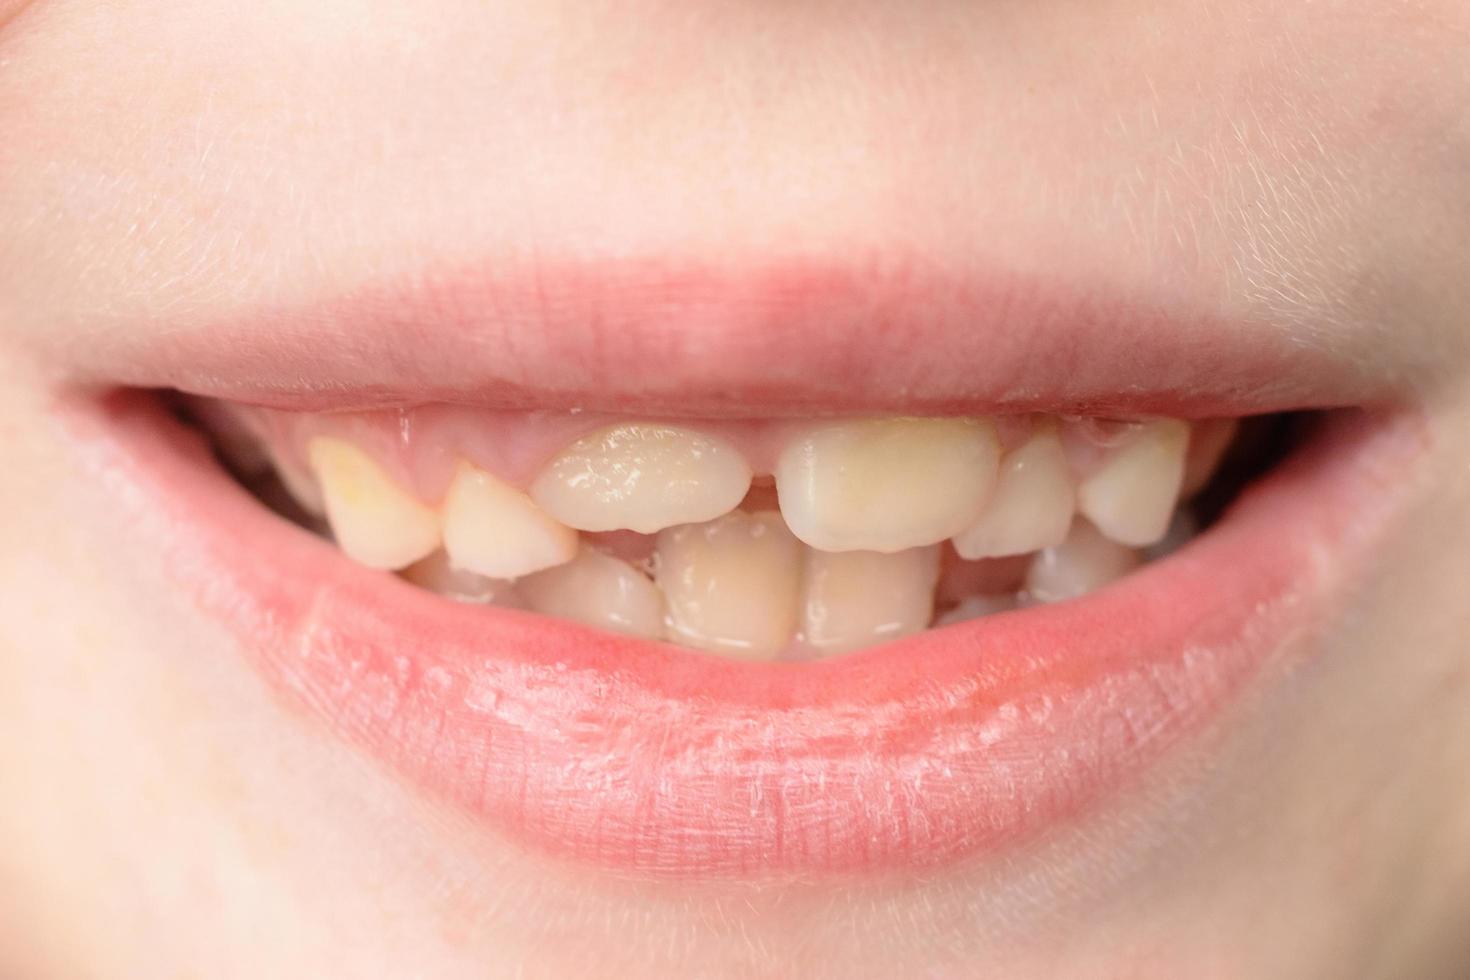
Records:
x=649, y=759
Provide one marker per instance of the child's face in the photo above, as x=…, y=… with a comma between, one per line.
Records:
x=721, y=209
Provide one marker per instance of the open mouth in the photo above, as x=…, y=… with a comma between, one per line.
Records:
x=748, y=642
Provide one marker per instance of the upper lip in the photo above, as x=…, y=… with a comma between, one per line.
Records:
x=790, y=337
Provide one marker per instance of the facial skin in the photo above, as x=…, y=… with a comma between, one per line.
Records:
x=1297, y=168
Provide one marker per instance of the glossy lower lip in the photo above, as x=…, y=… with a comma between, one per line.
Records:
x=654, y=760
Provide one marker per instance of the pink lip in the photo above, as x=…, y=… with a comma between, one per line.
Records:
x=663, y=762
x=779, y=337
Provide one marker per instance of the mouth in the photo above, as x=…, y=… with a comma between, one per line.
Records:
x=762, y=599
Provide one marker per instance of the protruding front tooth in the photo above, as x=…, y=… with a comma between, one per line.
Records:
x=598, y=590
x=1133, y=495
x=732, y=585
x=886, y=484
x=375, y=521
x=1083, y=563
x=1031, y=507
x=492, y=529
x=857, y=598
x=643, y=478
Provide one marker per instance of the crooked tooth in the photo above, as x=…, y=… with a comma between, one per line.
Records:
x=886, y=484
x=598, y=590
x=375, y=521
x=731, y=585
x=437, y=575
x=492, y=529
x=854, y=599
x=1134, y=493
x=643, y=478
x=1031, y=506
x=1083, y=563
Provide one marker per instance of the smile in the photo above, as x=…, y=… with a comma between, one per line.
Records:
x=695, y=616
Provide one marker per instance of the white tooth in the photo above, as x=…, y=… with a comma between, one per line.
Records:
x=857, y=598
x=886, y=484
x=435, y=574
x=977, y=607
x=1133, y=495
x=375, y=521
x=494, y=530
x=642, y=478
x=732, y=585
x=1208, y=441
x=1032, y=504
x=1083, y=563
x=598, y=590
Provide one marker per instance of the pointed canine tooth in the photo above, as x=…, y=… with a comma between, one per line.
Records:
x=492, y=529
x=1083, y=563
x=732, y=585
x=435, y=574
x=1133, y=495
x=886, y=484
x=375, y=521
x=857, y=598
x=1031, y=507
x=642, y=478
x=977, y=607
x=598, y=590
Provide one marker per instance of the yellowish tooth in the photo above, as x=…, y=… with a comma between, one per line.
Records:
x=1083, y=563
x=598, y=590
x=1133, y=494
x=732, y=585
x=855, y=599
x=1031, y=507
x=375, y=521
x=886, y=484
x=644, y=478
x=437, y=575
x=492, y=529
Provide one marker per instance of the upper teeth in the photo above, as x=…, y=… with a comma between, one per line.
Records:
x=642, y=478
x=886, y=484
x=1031, y=507
x=1131, y=497
x=851, y=558
x=375, y=521
x=496, y=530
